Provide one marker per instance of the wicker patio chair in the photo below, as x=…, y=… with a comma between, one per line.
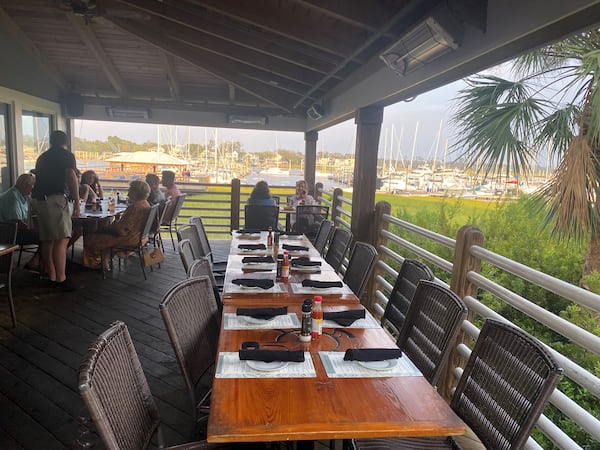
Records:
x=190, y=232
x=169, y=220
x=309, y=218
x=361, y=263
x=322, y=237
x=191, y=318
x=8, y=236
x=500, y=395
x=120, y=250
x=116, y=393
x=155, y=235
x=186, y=253
x=218, y=265
x=430, y=328
x=411, y=272
x=261, y=217
x=337, y=248
x=201, y=267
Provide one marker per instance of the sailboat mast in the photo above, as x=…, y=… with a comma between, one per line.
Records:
x=412, y=155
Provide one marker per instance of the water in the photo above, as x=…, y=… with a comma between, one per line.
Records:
x=285, y=180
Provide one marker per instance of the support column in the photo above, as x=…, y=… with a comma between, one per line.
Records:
x=368, y=127
x=310, y=159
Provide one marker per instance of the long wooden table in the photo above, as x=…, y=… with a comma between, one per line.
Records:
x=274, y=409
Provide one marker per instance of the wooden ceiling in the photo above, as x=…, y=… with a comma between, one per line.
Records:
x=265, y=58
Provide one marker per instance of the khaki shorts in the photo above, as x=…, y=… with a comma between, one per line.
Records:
x=54, y=218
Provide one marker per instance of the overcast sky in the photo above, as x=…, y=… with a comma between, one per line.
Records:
x=400, y=121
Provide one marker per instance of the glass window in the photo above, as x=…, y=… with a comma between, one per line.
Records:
x=36, y=131
x=4, y=167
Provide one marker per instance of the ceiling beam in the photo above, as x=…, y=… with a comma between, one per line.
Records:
x=240, y=54
x=368, y=16
x=288, y=27
x=196, y=18
x=10, y=26
x=217, y=66
x=91, y=42
x=171, y=77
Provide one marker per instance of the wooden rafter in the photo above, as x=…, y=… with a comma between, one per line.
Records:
x=171, y=77
x=8, y=24
x=287, y=27
x=195, y=18
x=218, y=66
x=91, y=42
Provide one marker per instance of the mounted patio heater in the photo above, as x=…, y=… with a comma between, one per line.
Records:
x=439, y=33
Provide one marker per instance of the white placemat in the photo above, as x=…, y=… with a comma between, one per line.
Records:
x=368, y=322
x=259, y=266
x=297, y=288
x=336, y=367
x=231, y=288
x=232, y=321
x=230, y=366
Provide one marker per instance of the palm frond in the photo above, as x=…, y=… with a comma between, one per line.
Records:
x=590, y=68
x=570, y=195
x=556, y=130
x=495, y=118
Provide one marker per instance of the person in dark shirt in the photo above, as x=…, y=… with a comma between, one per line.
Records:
x=56, y=177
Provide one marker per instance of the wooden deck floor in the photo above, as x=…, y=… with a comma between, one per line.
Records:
x=39, y=360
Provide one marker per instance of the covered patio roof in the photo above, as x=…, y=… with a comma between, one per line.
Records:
x=296, y=65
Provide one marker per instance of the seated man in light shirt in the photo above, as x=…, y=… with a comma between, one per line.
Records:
x=168, y=181
x=14, y=207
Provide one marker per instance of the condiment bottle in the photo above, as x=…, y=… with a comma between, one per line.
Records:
x=317, y=318
x=111, y=204
x=285, y=266
x=270, y=237
x=279, y=266
x=305, y=335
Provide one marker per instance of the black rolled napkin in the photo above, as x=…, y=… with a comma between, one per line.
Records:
x=295, y=248
x=322, y=284
x=252, y=246
x=344, y=318
x=304, y=262
x=262, y=313
x=254, y=282
x=248, y=231
x=257, y=259
x=272, y=355
x=292, y=233
x=372, y=354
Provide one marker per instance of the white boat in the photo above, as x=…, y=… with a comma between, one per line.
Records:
x=275, y=171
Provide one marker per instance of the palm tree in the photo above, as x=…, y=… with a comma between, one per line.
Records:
x=554, y=104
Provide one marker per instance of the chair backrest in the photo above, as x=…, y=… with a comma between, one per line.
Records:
x=116, y=393
x=337, y=248
x=309, y=218
x=430, y=328
x=163, y=208
x=8, y=235
x=191, y=318
x=505, y=385
x=323, y=235
x=411, y=272
x=172, y=210
x=261, y=217
x=190, y=232
x=360, y=266
x=202, y=267
x=150, y=221
x=204, y=242
x=186, y=253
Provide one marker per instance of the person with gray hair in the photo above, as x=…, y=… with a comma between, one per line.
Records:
x=55, y=170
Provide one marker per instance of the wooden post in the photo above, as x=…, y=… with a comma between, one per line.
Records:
x=377, y=240
x=318, y=189
x=310, y=160
x=335, y=202
x=368, y=126
x=464, y=262
x=235, y=204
